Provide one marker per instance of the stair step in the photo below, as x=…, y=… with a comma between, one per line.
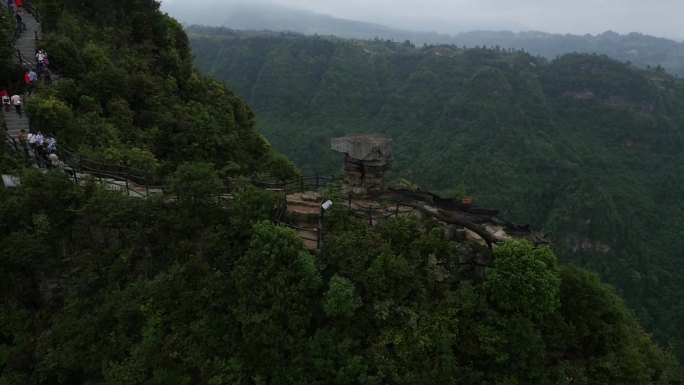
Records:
x=309, y=238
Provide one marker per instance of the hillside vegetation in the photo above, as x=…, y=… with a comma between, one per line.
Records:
x=129, y=94
x=584, y=147
x=97, y=287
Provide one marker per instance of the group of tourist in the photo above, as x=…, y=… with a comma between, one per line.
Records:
x=42, y=62
x=30, y=77
x=7, y=101
x=18, y=13
x=44, y=147
x=19, y=4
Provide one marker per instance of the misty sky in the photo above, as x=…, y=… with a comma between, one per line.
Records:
x=654, y=17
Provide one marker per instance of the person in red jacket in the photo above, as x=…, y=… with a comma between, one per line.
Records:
x=4, y=96
x=27, y=78
x=20, y=6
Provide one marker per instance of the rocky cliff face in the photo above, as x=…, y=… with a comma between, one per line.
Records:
x=367, y=158
x=644, y=108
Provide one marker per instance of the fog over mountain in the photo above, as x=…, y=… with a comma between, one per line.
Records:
x=639, y=49
x=659, y=18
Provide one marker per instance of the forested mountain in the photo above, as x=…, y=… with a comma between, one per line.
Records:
x=639, y=49
x=584, y=147
x=129, y=94
x=202, y=287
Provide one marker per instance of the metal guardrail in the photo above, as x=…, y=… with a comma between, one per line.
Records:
x=140, y=177
x=110, y=182
x=24, y=61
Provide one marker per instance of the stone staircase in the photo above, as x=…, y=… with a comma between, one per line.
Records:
x=26, y=42
x=15, y=122
x=303, y=214
x=26, y=45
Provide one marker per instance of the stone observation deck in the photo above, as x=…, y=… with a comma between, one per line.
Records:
x=367, y=160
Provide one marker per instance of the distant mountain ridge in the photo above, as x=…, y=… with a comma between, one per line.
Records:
x=277, y=18
x=639, y=49
x=636, y=48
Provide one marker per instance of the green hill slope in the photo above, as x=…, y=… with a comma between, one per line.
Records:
x=583, y=147
x=99, y=287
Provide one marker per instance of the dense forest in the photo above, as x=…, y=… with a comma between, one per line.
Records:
x=583, y=147
x=97, y=287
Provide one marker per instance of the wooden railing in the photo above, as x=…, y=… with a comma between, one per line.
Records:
x=135, y=179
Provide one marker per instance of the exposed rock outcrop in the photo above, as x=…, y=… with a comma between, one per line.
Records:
x=367, y=158
x=615, y=101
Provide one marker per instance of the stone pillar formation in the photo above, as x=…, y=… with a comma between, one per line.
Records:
x=367, y=157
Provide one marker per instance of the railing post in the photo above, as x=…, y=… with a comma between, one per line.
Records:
x=20, y=59
x=147, y=183
x=318, y=238
x=396, y=210
x=126, y=179
x=318, y=232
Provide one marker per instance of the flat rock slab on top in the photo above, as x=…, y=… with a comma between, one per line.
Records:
x=367, y=157
x=365, y=147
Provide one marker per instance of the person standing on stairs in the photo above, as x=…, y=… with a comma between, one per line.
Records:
x=39, y=139
x=51, y=143
x=16, y=102
x=20, y=6
x=33, y=76
x=10, y=5
x=40, y=59
x=23, y=142
x=31, y=140
x=27, y=78
x=38, y=147
x=5, y=100
x=20, y=22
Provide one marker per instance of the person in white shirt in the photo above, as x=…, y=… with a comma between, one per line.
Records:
x=31, y=138
x=52, y=143
x=39, y=139
x=16, y=102
x=40, y=59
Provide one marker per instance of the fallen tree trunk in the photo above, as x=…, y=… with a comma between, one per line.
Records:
x=456, y=219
